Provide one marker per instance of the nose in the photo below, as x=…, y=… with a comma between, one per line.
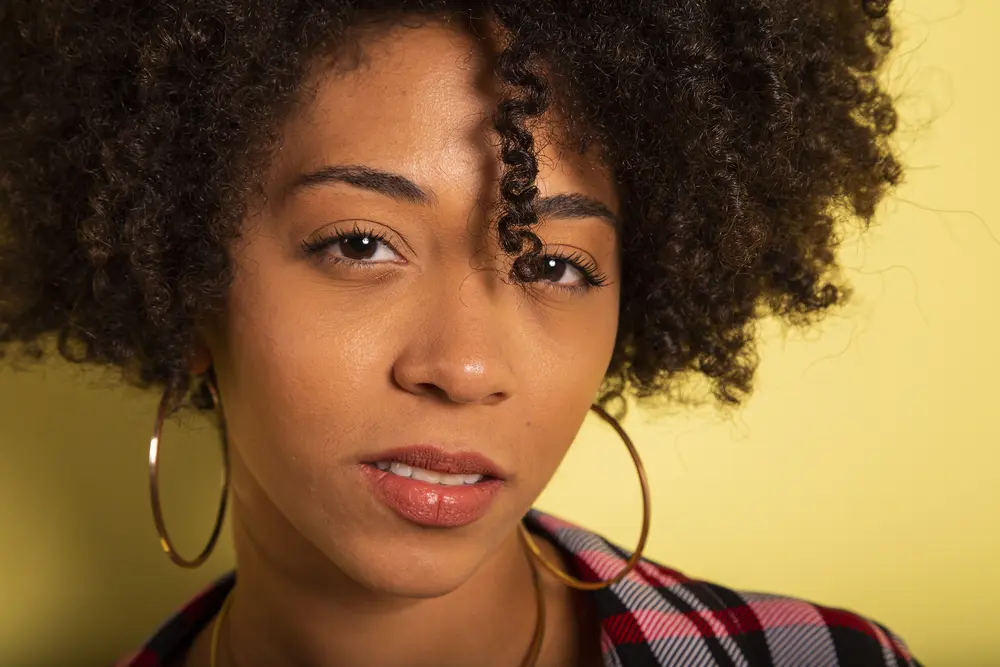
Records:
x=458, y=349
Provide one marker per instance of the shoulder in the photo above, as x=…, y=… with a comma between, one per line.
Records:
x=659, y=616
x=765, y=629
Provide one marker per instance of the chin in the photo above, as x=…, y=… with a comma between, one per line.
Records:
x=421, y=566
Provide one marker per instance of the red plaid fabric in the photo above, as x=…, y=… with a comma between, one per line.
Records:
x=655, y=617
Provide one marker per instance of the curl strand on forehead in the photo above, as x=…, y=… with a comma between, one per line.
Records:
x=739, y=135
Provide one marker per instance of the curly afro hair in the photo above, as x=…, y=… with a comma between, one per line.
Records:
x=739, y=134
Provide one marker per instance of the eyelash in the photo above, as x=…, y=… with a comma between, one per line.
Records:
x=593, y=278
x=587, y=267
x=316, y=246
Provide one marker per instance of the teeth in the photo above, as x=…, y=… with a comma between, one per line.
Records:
x=401, y=469
x=429, y=476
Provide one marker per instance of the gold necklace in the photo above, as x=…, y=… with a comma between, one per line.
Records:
x=529, y=660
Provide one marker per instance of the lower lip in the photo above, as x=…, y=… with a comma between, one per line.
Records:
x=432, y=505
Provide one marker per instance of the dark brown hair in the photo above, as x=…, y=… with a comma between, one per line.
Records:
x=131, y=133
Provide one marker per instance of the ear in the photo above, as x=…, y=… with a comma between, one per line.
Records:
x=199, y=357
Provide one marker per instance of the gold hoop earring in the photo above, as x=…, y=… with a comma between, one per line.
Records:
x=579, y=584
x=154, y=486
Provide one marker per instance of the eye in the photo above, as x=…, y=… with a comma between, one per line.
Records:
x=363, y=248
x=575, y=272
x=354, y=247
x=560, y=271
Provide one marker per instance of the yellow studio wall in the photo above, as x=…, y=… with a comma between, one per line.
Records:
x=864, y=472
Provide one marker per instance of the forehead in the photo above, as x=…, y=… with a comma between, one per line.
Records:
x=420, y=101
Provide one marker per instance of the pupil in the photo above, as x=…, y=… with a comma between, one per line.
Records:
x=553, y=269
x=358, y=247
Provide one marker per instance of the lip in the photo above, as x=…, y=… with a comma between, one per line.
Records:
x=435, y=505
x=438, y=460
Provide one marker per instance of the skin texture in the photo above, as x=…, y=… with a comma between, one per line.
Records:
x=737, y=134
x=321, y=364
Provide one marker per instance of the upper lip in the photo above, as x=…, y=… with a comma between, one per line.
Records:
x=434, y=458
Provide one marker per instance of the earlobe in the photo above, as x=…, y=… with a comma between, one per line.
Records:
x=199, y=357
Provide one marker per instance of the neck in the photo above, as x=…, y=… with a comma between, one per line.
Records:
x=296, y=608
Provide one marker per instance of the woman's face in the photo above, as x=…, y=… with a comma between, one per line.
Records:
x=371, y=319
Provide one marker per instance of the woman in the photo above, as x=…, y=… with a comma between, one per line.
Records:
x=401, y=250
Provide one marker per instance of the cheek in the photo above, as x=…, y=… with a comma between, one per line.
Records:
x=571, y=348
x=300, y=369
x=567, y=367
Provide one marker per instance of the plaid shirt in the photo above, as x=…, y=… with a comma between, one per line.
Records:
x=655, y=617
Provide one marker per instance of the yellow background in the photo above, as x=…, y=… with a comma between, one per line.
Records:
x=864, y=473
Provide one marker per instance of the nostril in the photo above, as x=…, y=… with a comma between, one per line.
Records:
x=458, y=379
x=495, y=398
x=459, y=393
x=431, y=389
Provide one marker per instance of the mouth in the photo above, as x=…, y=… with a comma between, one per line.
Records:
x=430, y=476
x=432, y=488
x=435, y=466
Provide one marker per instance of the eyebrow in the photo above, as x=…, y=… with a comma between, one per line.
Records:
x=574, y=205
x=396, y=186
x=365, y=178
